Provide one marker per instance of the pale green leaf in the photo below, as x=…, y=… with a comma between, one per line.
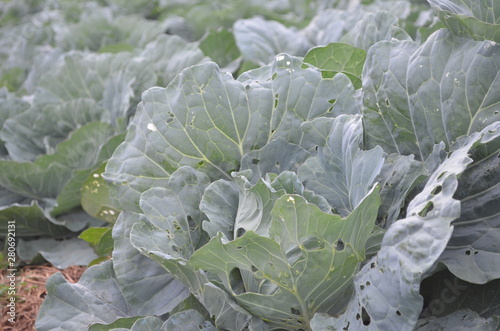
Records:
x=437, y=92
x=341, y=172
x=99, y=298
x=260, y=40
x=478, y=19
x=338, y=57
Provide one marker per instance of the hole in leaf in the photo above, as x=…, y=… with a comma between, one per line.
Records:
x=273, y=77
x=201, y=163
x=441, y=175
x=468, y=252
x=428, y=207
x=239, y=247
x=339, y=246
x=329, y=110
x=387, y=103
x=300, y=322
x=496, y=112
x=437, y=190
x=366, y=318
x=358, y=316
x=191, y=223
x=373, y=265
x=255, y=161
x=170, y=114
x=273, y=131
x=170, y=120
x=316, y=148
x=240, y=232
x=332, y=101
x=346, y=328
x=362, y=287
x=254, y=269
x=398, y=313
x=247, y=87
x=295, y=311
x=175, y=248
x=476, y=252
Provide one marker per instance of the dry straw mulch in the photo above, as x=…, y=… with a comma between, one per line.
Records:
x=30, y=292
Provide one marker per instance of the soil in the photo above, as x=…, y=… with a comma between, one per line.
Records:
x=30, y=292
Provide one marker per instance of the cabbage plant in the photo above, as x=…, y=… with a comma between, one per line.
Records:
x=348, y=181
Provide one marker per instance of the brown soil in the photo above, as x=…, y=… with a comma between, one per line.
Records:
x=30, y=292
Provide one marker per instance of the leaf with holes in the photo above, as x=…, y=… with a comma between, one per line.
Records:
x=304, y=266
x=419, y=96
x=387, y=287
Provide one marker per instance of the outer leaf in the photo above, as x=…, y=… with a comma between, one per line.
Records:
x=95, y=199
x=472, y=253
x=387, y=287
x=207, y=120
x=150, y=323
x=476, y=19
x=221, y=47
x=30, y=221
x=317, y=275
x=118, y=325
x=297, y=95
x=330, y=25
x=375, y=27
x=387, y=117
x=275, y=157
x=150, y=240
x=460, y=319
x=100, y=239
x=338, y=57
x=255, y=205
x=144, y=284
x=188, y=320
x=169, y=55
x=260, y=40
x=341, y=172
x=60, y=253
x=175, y=209
x=398, y=176
x=220, y=204
x=96, y=298
x=449, y=84
x=71, y=194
